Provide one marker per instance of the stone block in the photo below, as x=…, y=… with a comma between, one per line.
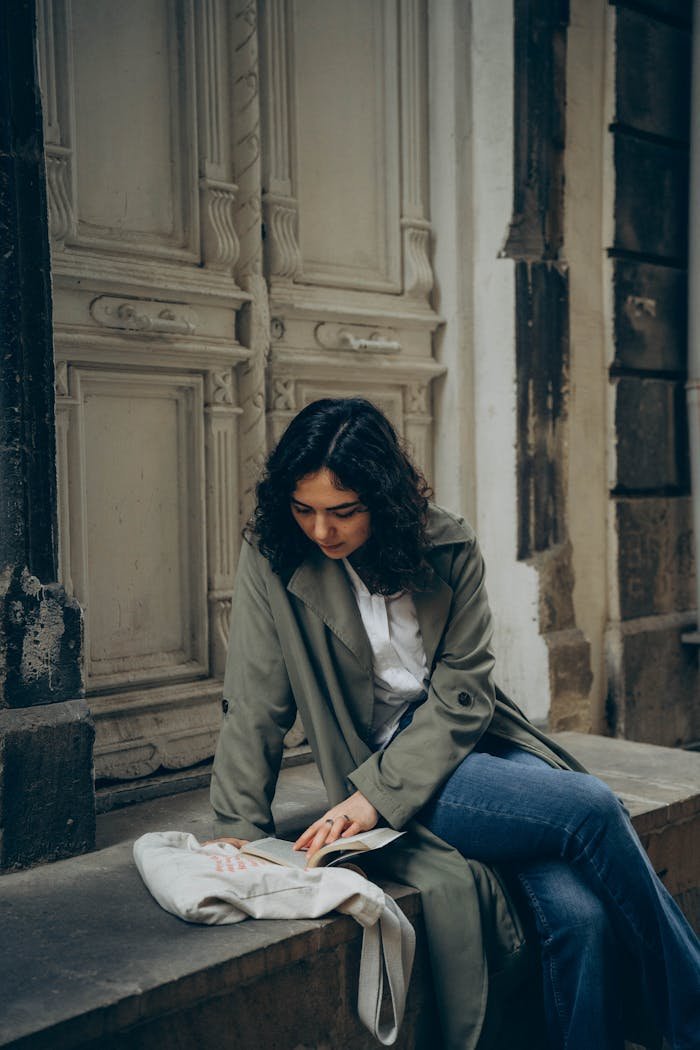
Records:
x=650, y=427
x=47, y=796
x=41, y=628
x=570, y=679
x=318, y=993
x=652, y=93
x=653, y=692
x=656, y=564
x=542, y=365
x=680, y=11
x=651, y=316
x=651, y=205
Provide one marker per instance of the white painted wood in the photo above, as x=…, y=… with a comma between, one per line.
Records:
x=345, y=141
x=254, y=319
x=222, y=509
x=171, y=726
x=417, y=269
x=220, y=245
x=55, y=78
x=135, y=130
x=141, y=546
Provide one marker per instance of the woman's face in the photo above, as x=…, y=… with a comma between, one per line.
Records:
x=334, y=519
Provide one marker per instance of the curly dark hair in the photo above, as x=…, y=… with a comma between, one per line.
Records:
x=356, y=442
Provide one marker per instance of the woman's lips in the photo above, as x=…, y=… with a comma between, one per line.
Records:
x=330, y=546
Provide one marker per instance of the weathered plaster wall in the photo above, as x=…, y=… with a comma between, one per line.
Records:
x=653, y=676
x=522, y=657
x=587, y=182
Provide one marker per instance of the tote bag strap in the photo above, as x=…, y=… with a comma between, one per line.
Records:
x=388, y=948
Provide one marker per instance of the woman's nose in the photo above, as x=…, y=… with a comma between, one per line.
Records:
x=322, y=527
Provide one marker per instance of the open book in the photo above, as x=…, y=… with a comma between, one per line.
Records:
x=279, y=851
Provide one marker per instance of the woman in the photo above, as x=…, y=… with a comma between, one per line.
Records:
x=363, y=607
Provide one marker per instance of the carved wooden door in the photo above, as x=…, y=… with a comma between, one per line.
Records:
x=169, y=370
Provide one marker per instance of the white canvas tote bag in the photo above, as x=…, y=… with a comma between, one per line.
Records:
x=216, y=884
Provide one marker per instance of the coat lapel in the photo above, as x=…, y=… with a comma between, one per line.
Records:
x=323, y=586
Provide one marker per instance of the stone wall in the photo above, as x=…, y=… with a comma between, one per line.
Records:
x=47, y=801
x=536, y=243
x=652, y=685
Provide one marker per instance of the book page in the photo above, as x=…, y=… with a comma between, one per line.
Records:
x=279, y=851
x=354, y=845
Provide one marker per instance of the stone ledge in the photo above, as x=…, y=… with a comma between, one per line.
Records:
x=95, y=963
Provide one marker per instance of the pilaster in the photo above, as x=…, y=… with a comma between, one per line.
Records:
x=47, y=805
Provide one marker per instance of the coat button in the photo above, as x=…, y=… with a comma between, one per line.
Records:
x=224, y=706
x=465, y=699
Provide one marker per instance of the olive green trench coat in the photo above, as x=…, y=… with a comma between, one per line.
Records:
x=300, y=645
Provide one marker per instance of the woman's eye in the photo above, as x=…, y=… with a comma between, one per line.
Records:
x=300, y=510
x=346, y=514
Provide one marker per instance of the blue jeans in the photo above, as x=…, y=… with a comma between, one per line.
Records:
x=591, y=888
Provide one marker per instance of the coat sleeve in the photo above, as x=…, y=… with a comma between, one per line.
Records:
x=258, y=710
x=399, y=780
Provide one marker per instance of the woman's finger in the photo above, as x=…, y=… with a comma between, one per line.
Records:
x=305, y=837
x=311, y=832
x=354, y=829
x=318, y=840
x=336, y=829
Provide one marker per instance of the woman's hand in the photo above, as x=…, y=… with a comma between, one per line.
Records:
x=351, y=817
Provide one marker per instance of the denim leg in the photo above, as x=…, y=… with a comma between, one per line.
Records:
x=580, y=956
x=516, y=809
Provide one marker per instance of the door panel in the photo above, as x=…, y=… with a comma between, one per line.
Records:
x=346, y=142
x=133, y=102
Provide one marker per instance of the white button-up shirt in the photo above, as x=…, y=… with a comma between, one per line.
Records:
x=398, y=656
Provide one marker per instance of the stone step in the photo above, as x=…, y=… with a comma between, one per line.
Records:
x=90, y=961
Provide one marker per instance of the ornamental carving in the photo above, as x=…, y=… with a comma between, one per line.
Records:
x=418, y=273
x=138, y=315
x=416, y=399
x=220, y=628
x=284, y=395
x=62, y=387
x=59, y=192
x=283, y=246
x=221, y=388
x=220, y=246
x=334, y=336
x=254, y=328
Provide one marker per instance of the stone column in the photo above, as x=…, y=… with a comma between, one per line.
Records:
x=47, y=805
x=536, y=245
